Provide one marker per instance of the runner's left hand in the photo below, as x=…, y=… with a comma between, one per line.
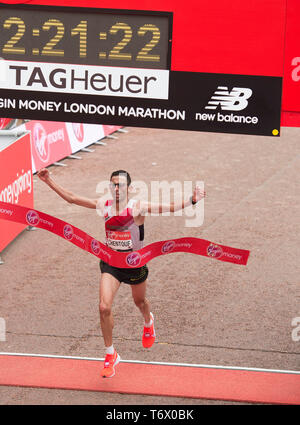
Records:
x=198, y=194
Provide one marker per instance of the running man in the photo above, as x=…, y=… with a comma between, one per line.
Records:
x=124, y=226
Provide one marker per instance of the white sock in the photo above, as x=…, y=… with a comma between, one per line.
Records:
x=110, y=350
x=147, y=325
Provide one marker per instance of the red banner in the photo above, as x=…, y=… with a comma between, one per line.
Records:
x=49, y=142
x=290, y=119
x=210, y=37
x=225, y=41
x=27, y=216
x=4, y=122
x=15, y=184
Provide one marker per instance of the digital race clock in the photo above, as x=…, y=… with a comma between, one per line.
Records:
x=123, y=38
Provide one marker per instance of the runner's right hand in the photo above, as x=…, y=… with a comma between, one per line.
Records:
x=43, y=174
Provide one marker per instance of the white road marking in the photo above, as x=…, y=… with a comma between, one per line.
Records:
x=251, y=369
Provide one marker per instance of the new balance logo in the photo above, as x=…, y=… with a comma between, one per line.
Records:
x=236, y=100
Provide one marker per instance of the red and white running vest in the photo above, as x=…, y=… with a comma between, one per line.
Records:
x=122, y=234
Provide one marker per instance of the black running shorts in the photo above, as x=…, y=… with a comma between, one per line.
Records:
x=129, y=276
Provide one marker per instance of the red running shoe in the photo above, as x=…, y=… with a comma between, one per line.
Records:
x=111, y=360
x=149, y=334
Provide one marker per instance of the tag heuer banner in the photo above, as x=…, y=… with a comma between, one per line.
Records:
x=195, y=101
x=178, y=66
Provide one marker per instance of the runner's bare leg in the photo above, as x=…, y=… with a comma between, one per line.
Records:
x=140, y=300
x=109, y=286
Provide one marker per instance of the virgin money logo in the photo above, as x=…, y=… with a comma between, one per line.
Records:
x=32, y=218
x=68, y=232
x=78, y=131
x=133, y=259
x=168, y=247
x=214, y=251
x=40, y=142
x=95, y=246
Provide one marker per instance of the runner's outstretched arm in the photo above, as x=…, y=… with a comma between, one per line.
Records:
x=68, y=196
x=150, y=207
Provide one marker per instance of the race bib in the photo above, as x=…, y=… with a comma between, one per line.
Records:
x=118, y=240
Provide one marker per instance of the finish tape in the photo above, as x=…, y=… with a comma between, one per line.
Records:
x=32, y=217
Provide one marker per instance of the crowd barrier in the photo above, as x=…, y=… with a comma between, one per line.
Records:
x=53, y=141
x=15, y=182
x=41, y=144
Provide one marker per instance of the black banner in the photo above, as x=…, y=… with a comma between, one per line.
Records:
x=223, y=103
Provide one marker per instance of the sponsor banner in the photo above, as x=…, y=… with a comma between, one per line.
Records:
x=224, y=103
x=49, y=142
x=82, y=135
x=53, y=141
x=142, y=58
x=16, y=185
x=20, y=214
x=291, y=81
x=86, y=79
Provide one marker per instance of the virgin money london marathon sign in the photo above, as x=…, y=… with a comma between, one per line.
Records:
x=115, y=66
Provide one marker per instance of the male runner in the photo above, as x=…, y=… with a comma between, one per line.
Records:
x=124, y=225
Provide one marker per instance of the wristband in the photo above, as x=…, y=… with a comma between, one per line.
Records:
x=193, y=202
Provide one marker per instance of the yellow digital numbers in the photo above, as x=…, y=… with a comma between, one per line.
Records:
x=60, y=31
x=116, y=51
x=81, y=30
x=143, y=55
x=10, y=46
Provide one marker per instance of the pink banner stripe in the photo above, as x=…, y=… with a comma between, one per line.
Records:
x=32, y=217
